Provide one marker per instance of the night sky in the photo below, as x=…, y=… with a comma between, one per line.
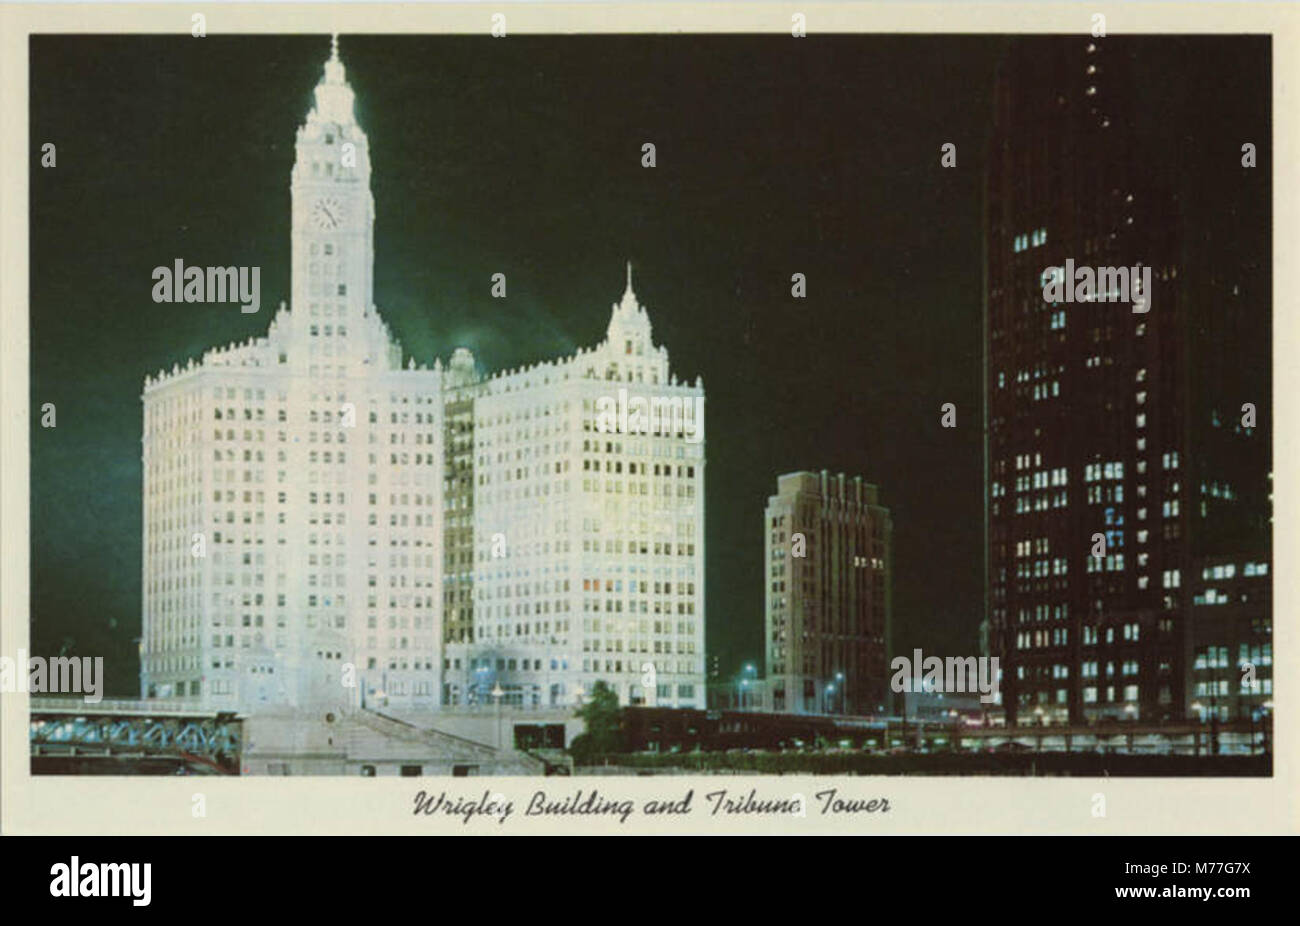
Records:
x=523, y=156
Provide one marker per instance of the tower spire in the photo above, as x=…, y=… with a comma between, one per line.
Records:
x=333, y=95
x=628, y=291
x=334, y=73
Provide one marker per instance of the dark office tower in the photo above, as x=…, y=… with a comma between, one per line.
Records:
x=1227, y=252
x=1102, y=423
x=1086, y=429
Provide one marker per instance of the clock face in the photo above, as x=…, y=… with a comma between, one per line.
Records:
x=327, y=213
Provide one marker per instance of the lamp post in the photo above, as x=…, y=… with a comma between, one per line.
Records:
x=1200, y=712
x=550, y=696
x=497, y=693
x=477, y=684
x=747, y=672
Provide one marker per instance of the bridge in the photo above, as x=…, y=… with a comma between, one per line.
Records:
x=665, y=729
x=70, y=735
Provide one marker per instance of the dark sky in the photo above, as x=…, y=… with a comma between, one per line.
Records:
x=522, y=156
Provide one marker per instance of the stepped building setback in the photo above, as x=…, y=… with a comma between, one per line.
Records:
x=330, y=523
x=828, y=559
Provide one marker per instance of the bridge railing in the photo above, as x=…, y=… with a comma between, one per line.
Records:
x=116, y=706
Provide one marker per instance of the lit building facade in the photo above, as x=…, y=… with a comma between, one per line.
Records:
x=588, y=543
x=1230, y=639
x=328, y=523
x=828, y=553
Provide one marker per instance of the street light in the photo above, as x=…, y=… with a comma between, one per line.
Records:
x=747, y=672
x=497, y=693
x=844, y=692
x=549, y=699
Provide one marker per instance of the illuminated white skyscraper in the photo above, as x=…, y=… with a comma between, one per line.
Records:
x=588, y=544
x=292, y=484
x=295, y=489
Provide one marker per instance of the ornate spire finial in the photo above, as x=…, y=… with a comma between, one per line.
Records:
x=628, y=291
x=333, y=95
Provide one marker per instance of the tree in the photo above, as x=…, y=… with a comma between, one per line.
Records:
x=604, y=727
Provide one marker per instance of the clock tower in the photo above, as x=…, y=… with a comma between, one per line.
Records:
x=333, y=212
